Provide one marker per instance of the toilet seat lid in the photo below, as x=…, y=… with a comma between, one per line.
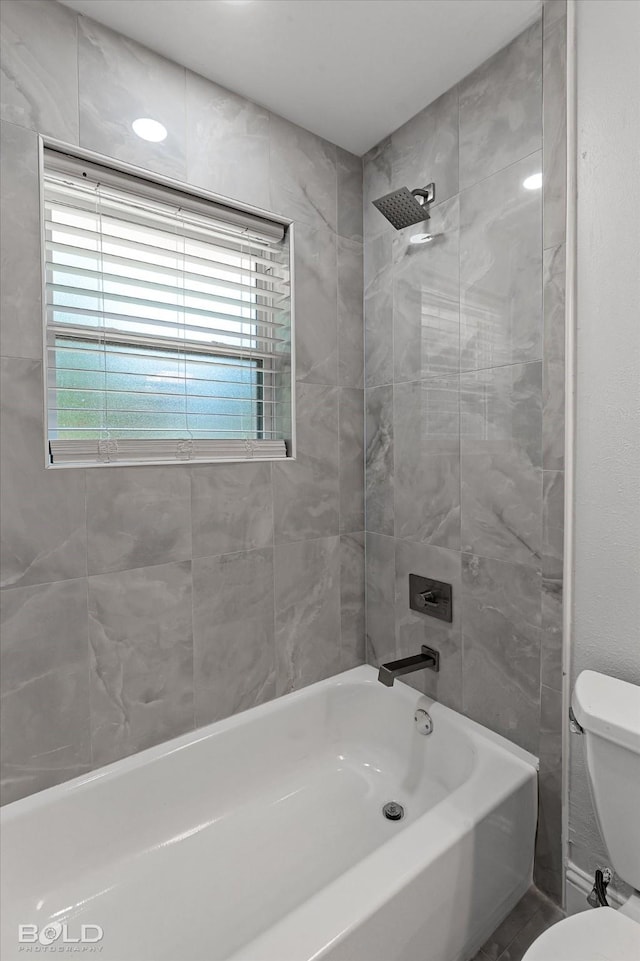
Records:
x=602, y=934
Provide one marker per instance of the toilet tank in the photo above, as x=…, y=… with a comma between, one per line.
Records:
x=608, y=710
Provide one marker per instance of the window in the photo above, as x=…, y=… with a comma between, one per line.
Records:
x=168, y=323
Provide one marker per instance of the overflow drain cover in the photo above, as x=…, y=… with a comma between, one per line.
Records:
x=393, y=811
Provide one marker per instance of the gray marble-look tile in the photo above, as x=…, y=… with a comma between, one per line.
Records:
x=501, y=108
x=43, y=511
x=20, y=289
x=380, y=588
x=425, y=149
x=427, y=461
x=501, y=269
x=227, y=143
x=350, y=314
x=553, y=373
x=351, y=415
x=352, y=611
x=379, y=479
x=541, y=921
x=39, y=74
x=378, y=311
x=233, y=633
x=552, y=524
x=45, y=628
x=426, y=298
x=554, y=123
x=548, y=871
x=376, y=182
x=316, y=305
x=552, y=11
x=231, y=508
x=304, y=183
x=551, y=642
x=508, y=930
x=307, y=606
x=121, y=81
x=45, y=732
x=137, y=517
x=141, y=647
x=414, y=629
x=500, y=455
x=306, y=492
x=501, y=647
x=349, y=195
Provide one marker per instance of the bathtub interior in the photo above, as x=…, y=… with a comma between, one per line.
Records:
x=264, y=810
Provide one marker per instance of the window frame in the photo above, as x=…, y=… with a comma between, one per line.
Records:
x=158, y=180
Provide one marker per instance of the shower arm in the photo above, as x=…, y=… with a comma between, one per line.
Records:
x=428, y=193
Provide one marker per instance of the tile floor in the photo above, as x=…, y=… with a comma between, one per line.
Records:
x=530, y=917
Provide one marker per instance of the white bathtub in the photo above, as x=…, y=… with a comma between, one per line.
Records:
x=261, y=838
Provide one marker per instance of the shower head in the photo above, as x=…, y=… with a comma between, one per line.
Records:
x=405, y=207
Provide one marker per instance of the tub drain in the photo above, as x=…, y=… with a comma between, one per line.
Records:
x=393, y=811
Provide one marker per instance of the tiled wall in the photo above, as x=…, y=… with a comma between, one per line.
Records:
x=464, y=342
x=141, y=602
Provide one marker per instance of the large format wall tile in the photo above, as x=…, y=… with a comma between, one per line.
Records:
x=501, y=108
x=43, y=511
x=554, y=121
x=316, y=318
x=137, y=518
x=352, y=587
x=231, y=508
x=39, y=78
x=378, y=312
x=414, y=629
x=376, y=182
x=44, y=629
x=44, y=676
x=304, y=183
x=427, y=461
x=426, y=298
x=501, y=269
x=501, y=647
x=350, y=314
x=351, y=414
x=233, y=633
x=553, y=295
x=120, y=81
x=379, y=460
x=21, y=298
x=500, y=463
x=306, y=492
x=349, y=169
x=45, y=732
x=380, y=587
x=307, y=604
x=425, y=149
x=141, y=641
x=548, y=861
x=227, y=143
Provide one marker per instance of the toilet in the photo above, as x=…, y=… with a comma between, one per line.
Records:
x=608, y=711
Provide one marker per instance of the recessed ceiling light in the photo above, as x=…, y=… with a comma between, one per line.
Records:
x=421, y=239
x=149, y=129
x=534, y=182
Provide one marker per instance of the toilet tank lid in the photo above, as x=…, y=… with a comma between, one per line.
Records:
x=608, y=707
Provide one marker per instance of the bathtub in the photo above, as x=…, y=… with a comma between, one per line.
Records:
x=262, y=838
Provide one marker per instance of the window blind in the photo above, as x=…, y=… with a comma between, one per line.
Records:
x=168, y=323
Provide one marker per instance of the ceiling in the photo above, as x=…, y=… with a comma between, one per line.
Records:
x=351, y=71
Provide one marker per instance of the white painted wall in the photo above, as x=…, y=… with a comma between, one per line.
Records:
x=606, y=634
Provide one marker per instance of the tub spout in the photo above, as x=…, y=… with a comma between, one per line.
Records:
x=407, y=665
